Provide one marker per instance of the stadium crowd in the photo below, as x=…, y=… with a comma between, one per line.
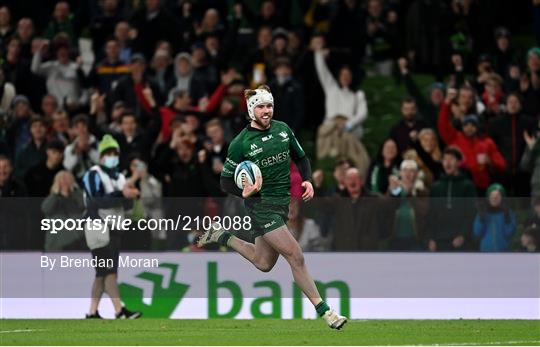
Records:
x=166, y=78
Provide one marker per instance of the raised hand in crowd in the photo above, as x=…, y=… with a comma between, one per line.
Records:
x=149, y=96
x=451, y=95
x=403, y=65
x=530, y=140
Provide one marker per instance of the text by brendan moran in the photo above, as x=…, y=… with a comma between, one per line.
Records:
x=64, y=261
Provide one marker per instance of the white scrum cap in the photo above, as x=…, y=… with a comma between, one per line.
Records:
x=261, y=96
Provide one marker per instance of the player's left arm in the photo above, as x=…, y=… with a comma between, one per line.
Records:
x=304, y=166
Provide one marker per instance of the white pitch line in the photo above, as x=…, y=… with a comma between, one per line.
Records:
x=503, y=343
x=20, y=331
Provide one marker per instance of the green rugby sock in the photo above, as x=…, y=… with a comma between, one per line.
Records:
x=224, y=238
x=321, y=308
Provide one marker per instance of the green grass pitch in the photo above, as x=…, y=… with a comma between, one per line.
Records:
x=268, y=332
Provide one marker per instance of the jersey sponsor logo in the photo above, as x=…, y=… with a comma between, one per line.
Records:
x=267, y=225
x=255, y=151
x=275, y=159
x=266, y=138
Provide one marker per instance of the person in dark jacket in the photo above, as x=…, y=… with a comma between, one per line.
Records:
x=215, y=148
x=133, y=139
x=534, y=218
x=18, y=132
x=185, y=176
x=426, y=35
x=39, y=178
x=504, y=55
x=110, y=69
x=356, y=218
x=452, y=206
x=136, y=90
x=530, y=238
x=428, y=107
x=154, y=22
x=410, y=122
x=103, y=23
x=34, y=152
x=507, y=132
x=12, y=217
x=530, y=88
x=288, y=95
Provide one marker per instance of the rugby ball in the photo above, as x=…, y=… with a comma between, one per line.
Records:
x=247, y=171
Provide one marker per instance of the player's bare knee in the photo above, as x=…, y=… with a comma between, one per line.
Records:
x=265, y=267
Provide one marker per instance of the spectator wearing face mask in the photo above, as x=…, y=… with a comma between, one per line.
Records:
x=107, y=193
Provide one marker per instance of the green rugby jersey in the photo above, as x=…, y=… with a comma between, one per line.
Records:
x=272, y=150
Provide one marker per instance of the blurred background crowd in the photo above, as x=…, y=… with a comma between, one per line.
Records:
x=420, y=117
